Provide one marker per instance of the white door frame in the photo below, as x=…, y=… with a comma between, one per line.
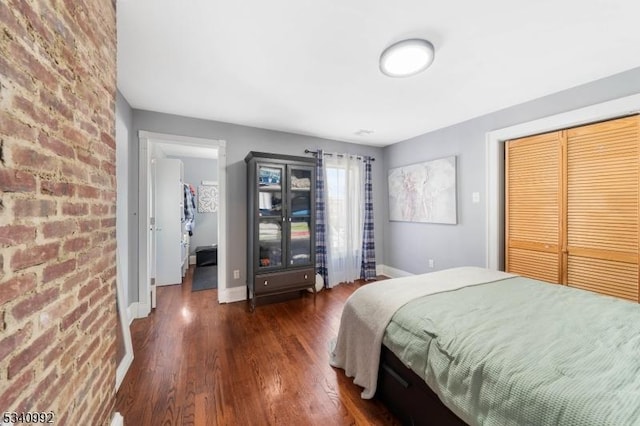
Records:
x=494, y=159
x=144, y=224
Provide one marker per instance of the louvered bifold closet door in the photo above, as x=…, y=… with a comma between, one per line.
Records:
x=533, y=206
x=602, y=207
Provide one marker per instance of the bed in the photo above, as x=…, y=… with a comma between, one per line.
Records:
x=475, y=346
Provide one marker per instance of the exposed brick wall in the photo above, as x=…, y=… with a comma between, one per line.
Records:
x=57, y=208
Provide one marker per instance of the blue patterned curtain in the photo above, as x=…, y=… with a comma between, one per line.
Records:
x=321, y=235
x=368, y=268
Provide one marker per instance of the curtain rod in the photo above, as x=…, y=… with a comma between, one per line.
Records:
x=308, y=151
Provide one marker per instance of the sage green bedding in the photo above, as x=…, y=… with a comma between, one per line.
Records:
x=523, y=352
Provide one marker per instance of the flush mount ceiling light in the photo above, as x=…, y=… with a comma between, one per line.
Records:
x=406, y=58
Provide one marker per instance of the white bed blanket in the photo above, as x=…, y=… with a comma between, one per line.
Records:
x=369, y=309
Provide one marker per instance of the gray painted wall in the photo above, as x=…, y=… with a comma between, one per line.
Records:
x=124, y=115
x=405, y=246
x=205, y=224
x=240, y=140
x=408, y=246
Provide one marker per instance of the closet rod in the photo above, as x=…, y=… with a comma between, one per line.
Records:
x=315, y=153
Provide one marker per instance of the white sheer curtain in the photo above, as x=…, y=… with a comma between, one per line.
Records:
x=344, y=215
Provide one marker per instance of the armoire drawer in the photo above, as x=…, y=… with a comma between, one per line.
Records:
x=277, y=282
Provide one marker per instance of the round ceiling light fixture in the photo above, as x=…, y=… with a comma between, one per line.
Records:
x=407, y=57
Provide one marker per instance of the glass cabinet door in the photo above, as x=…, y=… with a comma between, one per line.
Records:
x=270, y=216
x=269, y=243
x=300, y=232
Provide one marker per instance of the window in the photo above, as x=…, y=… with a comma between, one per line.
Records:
x=344, y=206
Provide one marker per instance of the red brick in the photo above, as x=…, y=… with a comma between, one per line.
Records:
x=38, y=116
x=101, y=265
x=108, y=223
x=103, y=294
x=75, y=245
x=15, y=387
x=99, y=238
x=85, y=191
x=11, y=235
x=15, y=128
x=16, y=181
x=33, y=20
x=32, y=65
x=88, y=157
x=34, y=208
x=89, y=225
x=75, y=280
x=68, y=358
x=100, y=179
x=59, y=228
x=56, y=145
x=103, y=151
x=109, y=167
x=16, y=286
x=52, y=108
x=10, y=343
x=89, y=128
x=34, y=302
x=30, y=353
x=92, y=323
x=69, y=319
x=83, y=358
x=58, y=270
x=76, y=137
x=108, y=140
x=34, y=160
x=75, y=209
x=100, y=209
x=14, y=74
x=35, y=401
x=56, y=351
x=13, y=26
x=88, y=288
x=34, y=255
x=58, y=189
x=74, y=170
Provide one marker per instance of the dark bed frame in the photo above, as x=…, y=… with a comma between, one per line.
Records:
x=408, y=396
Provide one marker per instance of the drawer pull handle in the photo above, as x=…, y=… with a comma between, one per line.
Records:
x=266, y=282
x=305, y=276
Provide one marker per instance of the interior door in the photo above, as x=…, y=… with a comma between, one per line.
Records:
x=603, y=208
x=534, y=207
x=152, y=232
x=168, y=207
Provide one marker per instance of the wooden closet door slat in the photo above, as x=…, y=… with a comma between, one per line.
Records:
x=533, y=206
x=602, y=207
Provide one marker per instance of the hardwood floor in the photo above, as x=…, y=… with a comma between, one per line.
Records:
x=197, y=362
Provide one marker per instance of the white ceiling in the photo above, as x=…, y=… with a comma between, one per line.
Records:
x=311, y=67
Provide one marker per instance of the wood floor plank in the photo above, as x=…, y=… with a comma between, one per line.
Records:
x=197, y=362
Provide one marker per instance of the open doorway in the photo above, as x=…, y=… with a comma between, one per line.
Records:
x=205, y=154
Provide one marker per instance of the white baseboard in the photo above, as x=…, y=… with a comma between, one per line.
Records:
x=233, y=294
x=132, y=312
x=117, y=419
x=144, y=309
x=392, y=272
x=192, y=259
